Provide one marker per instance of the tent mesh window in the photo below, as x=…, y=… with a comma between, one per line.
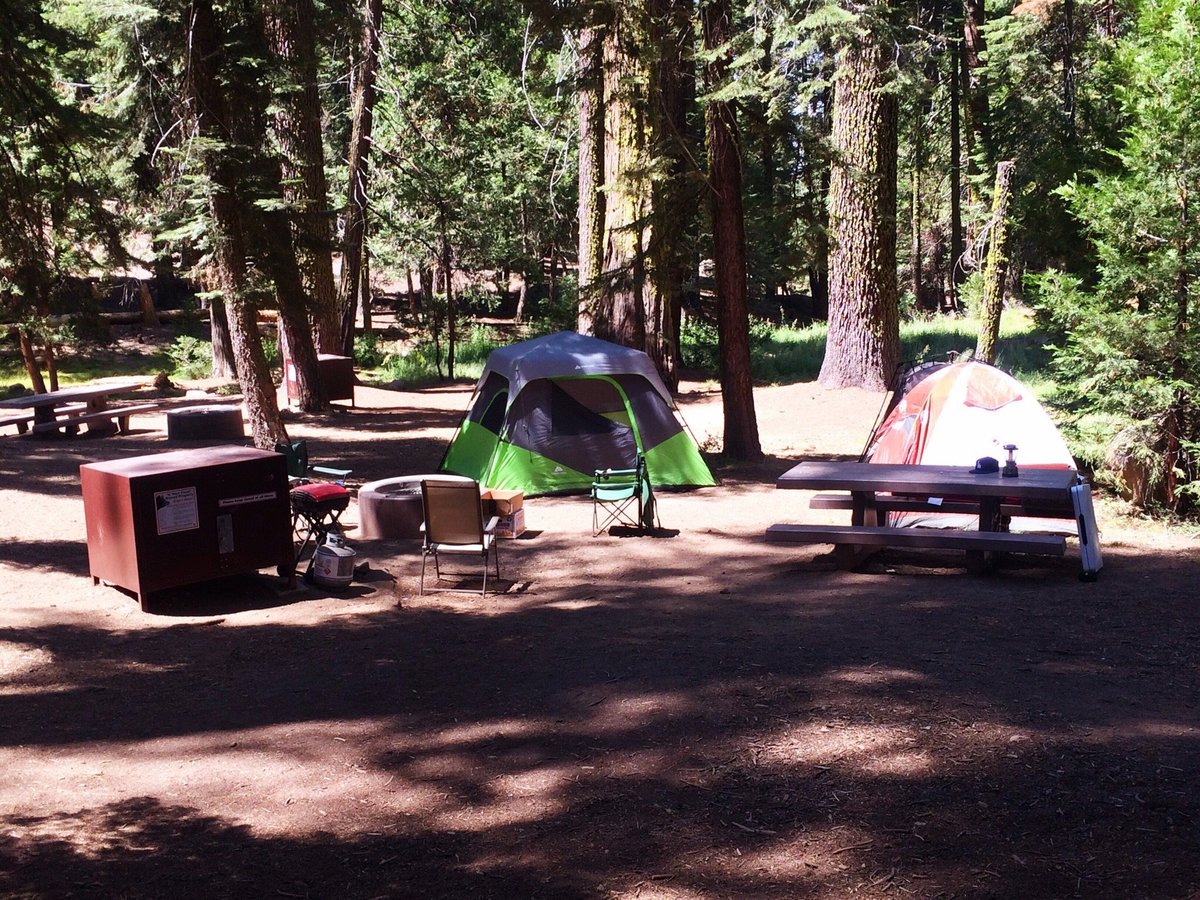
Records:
x=559, y=427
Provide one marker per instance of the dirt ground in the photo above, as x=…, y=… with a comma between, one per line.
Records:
x=691, y=715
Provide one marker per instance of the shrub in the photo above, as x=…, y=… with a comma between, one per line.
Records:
x=192, y=357
x=368, y=352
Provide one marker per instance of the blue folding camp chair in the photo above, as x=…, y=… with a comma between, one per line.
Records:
x=623, y=497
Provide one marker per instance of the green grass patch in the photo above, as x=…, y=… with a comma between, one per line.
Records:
x=782, y=354
x=80, y=367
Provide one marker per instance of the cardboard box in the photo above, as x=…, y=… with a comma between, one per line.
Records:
x=502, y=503
x=513, y=525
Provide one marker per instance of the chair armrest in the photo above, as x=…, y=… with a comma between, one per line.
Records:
x=327, y=470
x=614, y=473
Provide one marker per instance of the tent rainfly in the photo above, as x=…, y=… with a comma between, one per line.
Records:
x=548, y=412
x=951, y=414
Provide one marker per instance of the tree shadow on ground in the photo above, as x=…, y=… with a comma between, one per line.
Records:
x=702, y=732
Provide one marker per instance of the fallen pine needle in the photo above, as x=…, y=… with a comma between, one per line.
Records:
x=853, y=847
x=753, y=830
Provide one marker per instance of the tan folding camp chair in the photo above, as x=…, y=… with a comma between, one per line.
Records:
x=454, y=525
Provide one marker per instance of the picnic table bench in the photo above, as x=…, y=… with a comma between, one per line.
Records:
x=67, y=409
x=24, y=420
x=872, y=490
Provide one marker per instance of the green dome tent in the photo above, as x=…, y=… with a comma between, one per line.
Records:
x=548, y=412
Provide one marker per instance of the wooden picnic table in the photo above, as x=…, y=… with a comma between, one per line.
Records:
x=875, y=489
x=68, y=408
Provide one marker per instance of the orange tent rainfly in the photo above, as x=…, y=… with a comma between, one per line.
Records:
x=952, y=414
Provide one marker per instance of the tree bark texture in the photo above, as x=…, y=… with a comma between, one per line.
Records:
x=269, y=228
x=620, y=313
x=741, y=440
x=358, y=171
x=863, y=344
x=213, y=111
x=29, y=357
x=591, y=173
x=957, y=274
x=451, y=318
x=996, y=267
x=278, y=255
x=672, y=92
x=974, y=86
x=149, y=313
x=1068, y=66
x=915, y=237
x=1175, y=424
x=298, y=130
x=223, y=365
x=816, y=210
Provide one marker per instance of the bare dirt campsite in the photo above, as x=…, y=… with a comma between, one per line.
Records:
x=689, y=715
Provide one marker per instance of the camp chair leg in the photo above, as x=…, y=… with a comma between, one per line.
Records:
x=606, y=513
x=493, y=551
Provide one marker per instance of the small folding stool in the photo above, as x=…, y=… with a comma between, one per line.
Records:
x=315, y=512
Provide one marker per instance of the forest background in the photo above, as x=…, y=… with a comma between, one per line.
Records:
x=690, y=178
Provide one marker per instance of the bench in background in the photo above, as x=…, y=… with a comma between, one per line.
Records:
x=855, y=543
x=890, y=503
x=113, y=414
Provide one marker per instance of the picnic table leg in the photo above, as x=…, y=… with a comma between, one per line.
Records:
x=42, y=414
x=862, y=512
x=983, y=561
x=103, y=427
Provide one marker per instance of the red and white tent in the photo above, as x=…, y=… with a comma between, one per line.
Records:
x=959, y=412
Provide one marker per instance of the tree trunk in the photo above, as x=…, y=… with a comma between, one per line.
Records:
x=358, y=171
x=863, y=344
x=29, y=357
x=412, y=292
x=816, y=182
x=364, y=294
x=620, y=314
x=149, y=313
x=957, y=274
x=673, y=92
x=426, y=287
x=451, y=319
x=49, y=356
x=223, y=365
x=278, y=257
x=915, y=236
x=729, y=244
x=974, y=87
x=1175, y=459
x=289, y=27
x=1068, y=66
x=996, y=268
x=217, y=116
x=591, y=173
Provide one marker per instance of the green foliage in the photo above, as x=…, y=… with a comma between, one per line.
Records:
x=1126, y=350
x=426, y=362
x=368, y=352
x=192, y=357
x=557, y=313
x=473, y=128
x=270, y=347
x=54, y=165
